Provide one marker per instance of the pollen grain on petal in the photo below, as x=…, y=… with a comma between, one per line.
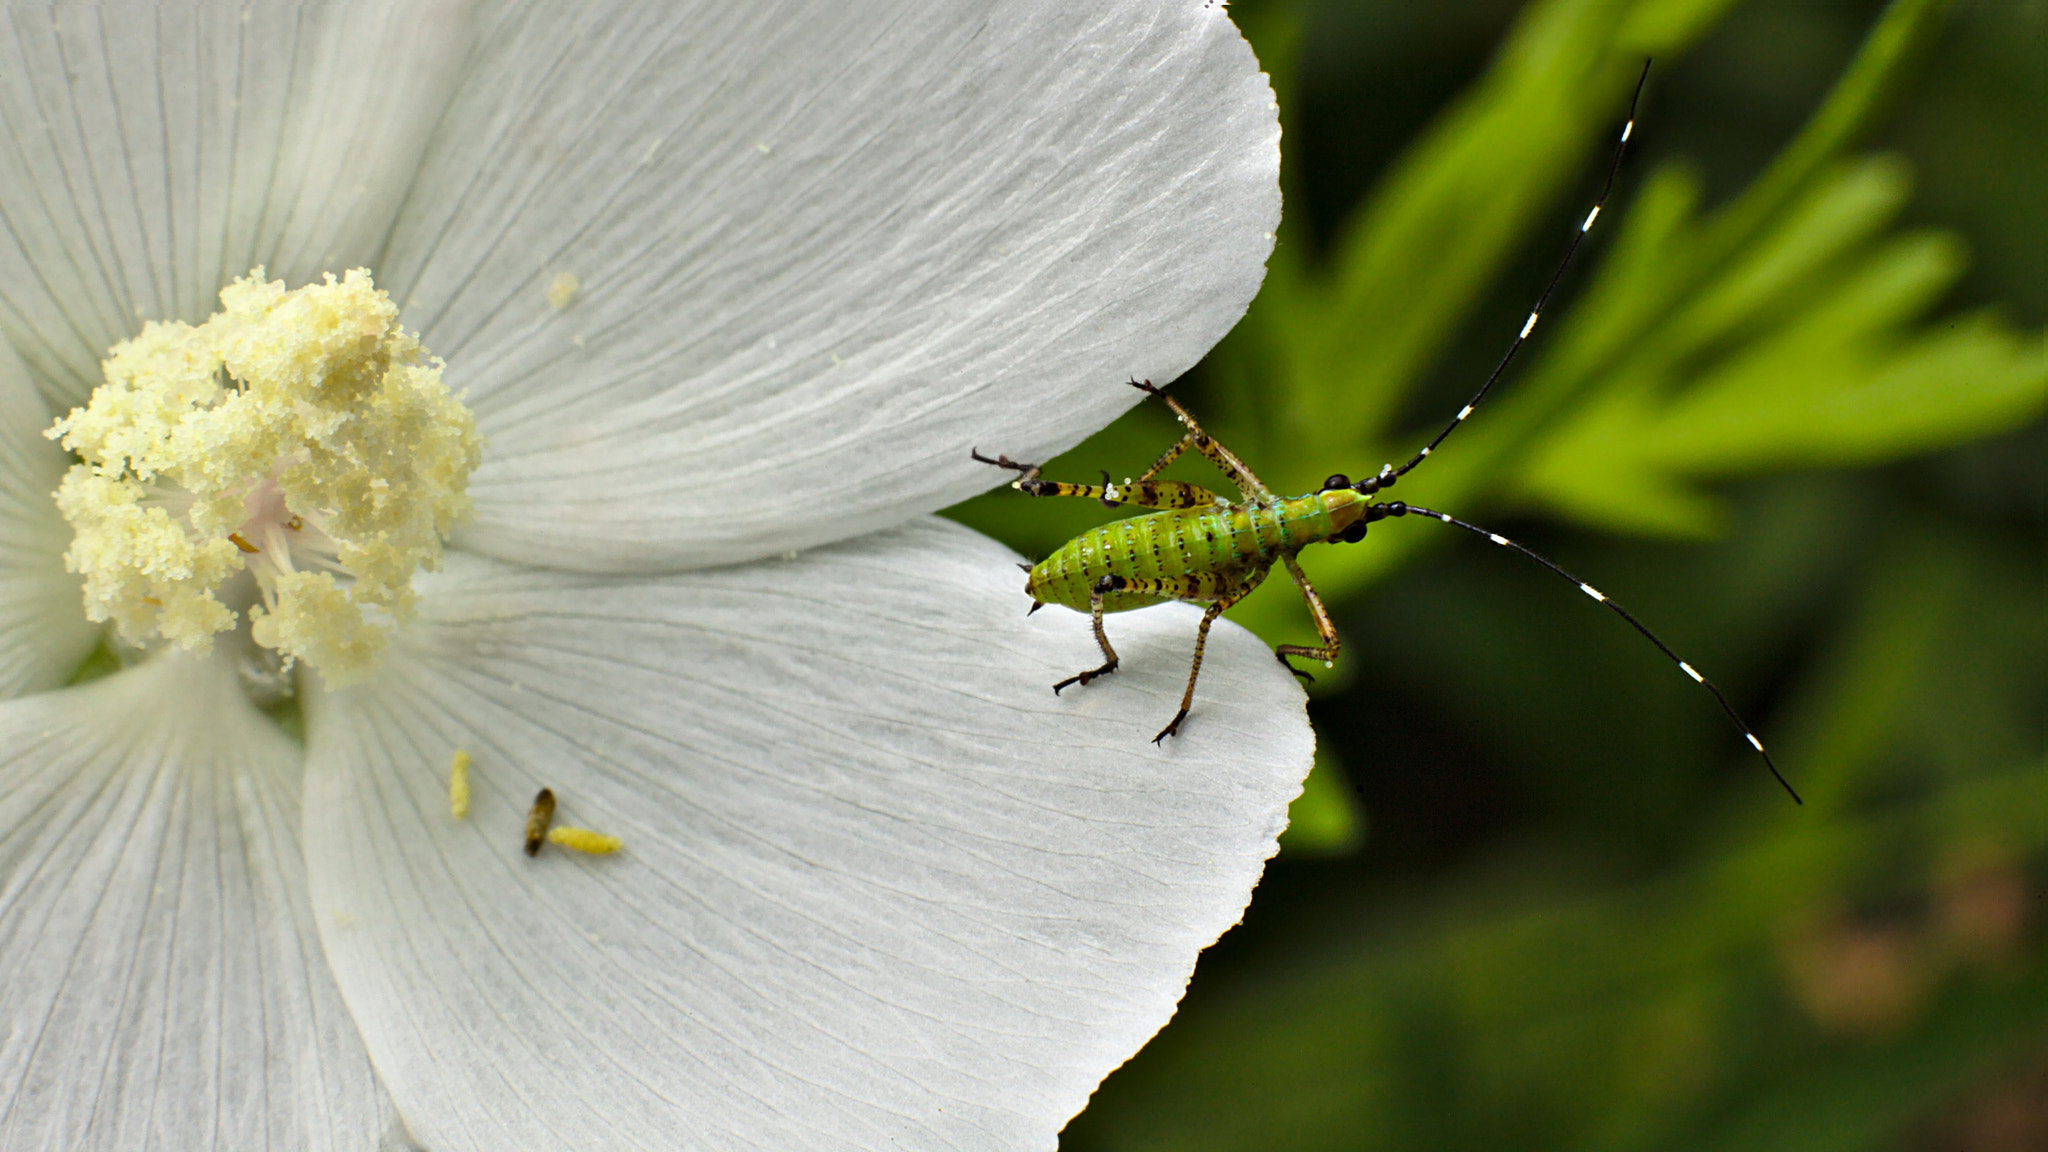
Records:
x=584, y=840
x=458, y=784
x=562, y=290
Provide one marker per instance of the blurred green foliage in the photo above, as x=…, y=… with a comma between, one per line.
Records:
x=1783, y=412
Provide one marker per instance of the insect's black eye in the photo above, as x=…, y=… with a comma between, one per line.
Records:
x=1355, y=533
x=1339, y=480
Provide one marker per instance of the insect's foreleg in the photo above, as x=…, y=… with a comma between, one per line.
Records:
x=1204, y=443
x=1325, y=627
x=1187, y=698
x=1102, y=588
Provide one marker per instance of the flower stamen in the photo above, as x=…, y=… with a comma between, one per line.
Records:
x=293, y=430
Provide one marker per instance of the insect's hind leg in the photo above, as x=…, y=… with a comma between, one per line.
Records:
x=1200, y=586
x=1141, y=493
x=1187, y=698
x=1325, y=627
x=1102, y=588
x=1030, y=471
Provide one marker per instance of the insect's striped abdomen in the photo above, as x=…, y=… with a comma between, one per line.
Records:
x=1146, y=547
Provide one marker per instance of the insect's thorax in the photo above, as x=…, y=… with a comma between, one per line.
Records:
x=1213, y=548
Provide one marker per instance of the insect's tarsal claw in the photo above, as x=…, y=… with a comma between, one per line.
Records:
x=1173, y=728
x=1289, y=665
x=1082, y=678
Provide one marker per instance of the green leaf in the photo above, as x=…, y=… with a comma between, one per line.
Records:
x=1800, y=354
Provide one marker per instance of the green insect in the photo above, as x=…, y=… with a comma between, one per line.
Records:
x=1201, y=548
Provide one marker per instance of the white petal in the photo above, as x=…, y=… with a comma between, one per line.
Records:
x=164, y=985
x=880, y=887
x=149, y=154
x=821, y=255
x=43, y=631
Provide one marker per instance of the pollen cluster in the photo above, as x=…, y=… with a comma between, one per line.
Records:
x=302, y=436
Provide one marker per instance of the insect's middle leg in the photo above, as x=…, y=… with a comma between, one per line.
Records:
x=1326, y=628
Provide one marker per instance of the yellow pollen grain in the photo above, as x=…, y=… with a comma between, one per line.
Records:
x=458, y=785
x=562, y=290
x=584, y=840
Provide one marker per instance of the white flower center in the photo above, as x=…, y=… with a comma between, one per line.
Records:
x=300, y=435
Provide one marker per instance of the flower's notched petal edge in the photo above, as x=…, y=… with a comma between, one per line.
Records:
x=43, y=630
x=164, y=983
x=815, y=260
x=880, y=888
x=150, y=155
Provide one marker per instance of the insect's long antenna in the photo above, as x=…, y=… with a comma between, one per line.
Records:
x=1388, y=473
x=1397, y=508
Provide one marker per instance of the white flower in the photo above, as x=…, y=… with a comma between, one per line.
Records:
x=720, y=284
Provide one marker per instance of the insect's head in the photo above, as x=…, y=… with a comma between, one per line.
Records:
x=1346, y=506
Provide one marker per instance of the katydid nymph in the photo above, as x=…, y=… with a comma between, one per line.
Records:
x=1200, y=547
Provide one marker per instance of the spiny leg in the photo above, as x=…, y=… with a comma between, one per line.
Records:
x=1197, y=586
x=1030, y=471
x=1187, y=698
x=1148, y=493
x=1142, y=493
x=1169, y=456
x=1102, y=588
x=1325, y=627
x=1204, y=443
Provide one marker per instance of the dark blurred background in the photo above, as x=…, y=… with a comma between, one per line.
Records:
x=1787, y=408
